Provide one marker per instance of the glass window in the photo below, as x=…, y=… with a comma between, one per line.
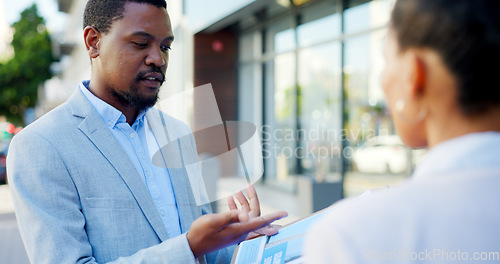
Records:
x=284, y=41
x=376, y=156
x=319, y=30
x=320, y=110
x=249, y=48
x=281, y=36
x=320, y=23
x=279, y=139
x=301, y=71
x=359, y=17
x=250, y=93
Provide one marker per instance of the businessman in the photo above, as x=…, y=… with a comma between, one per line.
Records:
x=84, y=186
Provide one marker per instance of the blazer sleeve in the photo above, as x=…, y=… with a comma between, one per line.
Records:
x=49, y=211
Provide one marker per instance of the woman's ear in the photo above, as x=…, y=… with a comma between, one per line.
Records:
x=416, y=74
x=91, y=37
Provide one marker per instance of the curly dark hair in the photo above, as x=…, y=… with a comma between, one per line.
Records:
x=100, y=14
x=466, y=35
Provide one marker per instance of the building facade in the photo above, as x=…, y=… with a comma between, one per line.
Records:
x=307, y=73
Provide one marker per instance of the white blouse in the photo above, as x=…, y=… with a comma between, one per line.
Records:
x=447, y=212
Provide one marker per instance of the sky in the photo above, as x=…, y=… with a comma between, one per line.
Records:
x=48, y=9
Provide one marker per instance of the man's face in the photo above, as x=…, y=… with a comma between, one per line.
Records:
x=133, y=55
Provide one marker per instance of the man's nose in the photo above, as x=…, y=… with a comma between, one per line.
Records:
x=155, y=58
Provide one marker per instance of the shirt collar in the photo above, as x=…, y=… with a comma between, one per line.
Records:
x=108, y=113
x=469, y=152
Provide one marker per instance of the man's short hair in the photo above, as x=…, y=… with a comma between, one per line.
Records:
x=466, y=34
x=100, y=14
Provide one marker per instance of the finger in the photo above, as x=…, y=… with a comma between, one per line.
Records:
x=269, y=230
x=240, y=230
x=269, y=218
x=276, y=226
x=253, y=235
x=231, y=203
x=254, y=200
x=259, y=222
x=219, y=221
x=243, y=217
x=243, y=201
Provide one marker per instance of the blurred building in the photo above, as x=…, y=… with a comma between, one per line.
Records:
x=73, y=65
x=6, y=34
x=307, y=72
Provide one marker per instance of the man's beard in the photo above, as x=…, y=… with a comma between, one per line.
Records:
x=133, y=98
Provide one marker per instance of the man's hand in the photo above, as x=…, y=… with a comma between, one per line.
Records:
x=215, y=231
x=252, y=207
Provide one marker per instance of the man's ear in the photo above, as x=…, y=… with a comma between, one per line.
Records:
x=92, y=37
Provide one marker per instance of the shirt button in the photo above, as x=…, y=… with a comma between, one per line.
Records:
x=162, y=213
x=110, y=123
x=132, y=135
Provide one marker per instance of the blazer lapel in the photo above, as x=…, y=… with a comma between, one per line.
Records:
x=96, y=130
x=186, y=205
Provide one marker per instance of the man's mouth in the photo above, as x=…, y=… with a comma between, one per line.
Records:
x=153, y=79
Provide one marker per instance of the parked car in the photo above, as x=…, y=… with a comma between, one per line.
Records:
x=4, y=148
x=385, y=154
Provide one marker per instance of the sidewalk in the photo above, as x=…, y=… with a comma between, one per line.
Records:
x=6, y=205
x=11, y=246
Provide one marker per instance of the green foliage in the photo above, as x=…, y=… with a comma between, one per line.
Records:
x=30, y=66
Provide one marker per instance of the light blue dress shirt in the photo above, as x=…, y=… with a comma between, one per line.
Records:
x=139, y=142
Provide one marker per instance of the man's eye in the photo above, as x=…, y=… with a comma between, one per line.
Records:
x=165, y=48
x=141, y=45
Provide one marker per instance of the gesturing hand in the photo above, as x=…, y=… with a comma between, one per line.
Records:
x=215, y=231
x=252, y=207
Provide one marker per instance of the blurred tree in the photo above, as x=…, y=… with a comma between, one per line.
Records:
x=30, y=66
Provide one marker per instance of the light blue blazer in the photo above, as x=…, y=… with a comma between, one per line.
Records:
x=79, y=198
